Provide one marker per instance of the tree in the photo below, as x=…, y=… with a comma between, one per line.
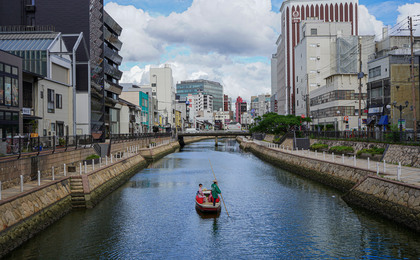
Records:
x=272, y=123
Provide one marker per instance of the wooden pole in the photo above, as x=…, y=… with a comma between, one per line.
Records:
x=220, y=193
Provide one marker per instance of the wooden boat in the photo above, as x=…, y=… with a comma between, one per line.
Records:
x=206, y=206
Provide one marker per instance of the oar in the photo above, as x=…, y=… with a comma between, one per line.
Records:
x=220, y=193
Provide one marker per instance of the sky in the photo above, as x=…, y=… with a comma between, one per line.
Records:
x=228, y=41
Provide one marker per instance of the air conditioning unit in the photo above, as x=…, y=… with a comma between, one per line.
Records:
x=318, y=58
x=318, y=45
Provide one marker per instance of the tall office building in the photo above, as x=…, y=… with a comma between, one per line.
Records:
x=96, y=81
x=206, y=87
x=162, y=89
x=292, y=13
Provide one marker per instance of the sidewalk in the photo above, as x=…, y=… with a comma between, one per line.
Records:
x=81, y=169
x=409, y=175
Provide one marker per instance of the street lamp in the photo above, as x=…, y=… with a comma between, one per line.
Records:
x=400, y=107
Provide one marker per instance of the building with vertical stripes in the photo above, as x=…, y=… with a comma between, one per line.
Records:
x=292, y=13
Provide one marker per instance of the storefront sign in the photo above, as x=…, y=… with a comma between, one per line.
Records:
x=26, y=111
x=375, y=110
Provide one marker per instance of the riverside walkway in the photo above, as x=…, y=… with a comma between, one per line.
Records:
x=57, y=174
x=409, y=175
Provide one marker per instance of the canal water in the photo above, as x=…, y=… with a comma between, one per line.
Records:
x=273, y=214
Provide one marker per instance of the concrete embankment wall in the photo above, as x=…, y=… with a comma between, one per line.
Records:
x=22, y=216
x=394, y=200
x=407, y=155
x=28, y=213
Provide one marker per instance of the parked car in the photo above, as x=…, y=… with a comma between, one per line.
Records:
x=191, y=130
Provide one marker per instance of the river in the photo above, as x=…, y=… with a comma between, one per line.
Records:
x=273, y=214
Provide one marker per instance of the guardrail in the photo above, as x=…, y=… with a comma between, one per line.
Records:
x=20, y=145
x=405, y=137
x=118, y=138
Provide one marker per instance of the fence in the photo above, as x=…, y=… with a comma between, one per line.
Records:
x=18, y=146
x=405, y=137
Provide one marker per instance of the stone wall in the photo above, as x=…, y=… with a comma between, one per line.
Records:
x=407, y=155
x=24, y=215
x=10, y=171
x=332, y=174
x=394, y=200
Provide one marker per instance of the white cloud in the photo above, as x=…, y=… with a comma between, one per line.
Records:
x=368, y=24
x=137, y=44
x=412, y=10
x=238, y=79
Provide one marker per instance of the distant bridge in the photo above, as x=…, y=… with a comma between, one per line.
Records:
x=216, y=134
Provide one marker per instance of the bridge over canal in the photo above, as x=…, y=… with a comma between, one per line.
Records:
x=214, y=134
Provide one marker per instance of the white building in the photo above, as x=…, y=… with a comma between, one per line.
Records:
x=224, y=117
x=163, y=90
x=203, y=102
x=327, y=66
x=292, y=13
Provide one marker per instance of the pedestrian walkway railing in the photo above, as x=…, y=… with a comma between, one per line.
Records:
x=117, y=138
x=19, y=145
x=397, y=172
x=73, y=169
x=405, y=137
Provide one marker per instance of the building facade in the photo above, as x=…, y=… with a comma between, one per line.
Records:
x=98, y=75
x=163, y=90
x=292, y=13
x=207, y=87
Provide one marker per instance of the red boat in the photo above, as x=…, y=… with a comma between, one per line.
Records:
x=204, y=205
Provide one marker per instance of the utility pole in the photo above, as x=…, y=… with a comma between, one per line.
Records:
x=410, y=23
x=360, y=76
x=307, y=95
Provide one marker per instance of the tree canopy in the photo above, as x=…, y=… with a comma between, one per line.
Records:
x=272, y=123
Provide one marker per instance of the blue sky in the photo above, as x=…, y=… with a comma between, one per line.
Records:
x=230, y=41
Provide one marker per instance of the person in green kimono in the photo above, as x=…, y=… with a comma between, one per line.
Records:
x=215, y=191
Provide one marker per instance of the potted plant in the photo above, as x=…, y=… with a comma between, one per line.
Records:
x=91, y=157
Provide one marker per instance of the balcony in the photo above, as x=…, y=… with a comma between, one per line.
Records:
x=112, y=87
x=113, y=72
x=111, y=23
x=112, y=39
x=112, y=55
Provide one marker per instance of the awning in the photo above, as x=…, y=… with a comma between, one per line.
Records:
x=383, y=120
x=29, y=117
x=370, y=121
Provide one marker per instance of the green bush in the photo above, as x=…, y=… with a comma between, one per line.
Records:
x=341, y=149
x=374, y=150
x=92, y=156
x=318, y=146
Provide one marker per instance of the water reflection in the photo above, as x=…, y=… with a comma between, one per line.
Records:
x=274, y=214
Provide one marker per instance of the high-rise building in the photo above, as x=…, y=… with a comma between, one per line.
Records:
x=97, y=88
x=240, y=108
x=162, y=89
x=292, y=13
x=227, y=103
x=202, y=86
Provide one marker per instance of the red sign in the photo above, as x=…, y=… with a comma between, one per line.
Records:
x=302, y=116
x=346, y=118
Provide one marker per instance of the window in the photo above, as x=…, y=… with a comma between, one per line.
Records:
x=297, y=90
x=297, y=102
x=375, y=72
x=59, y=102
x=1, y=91
x=314, y=31
x=50, y=104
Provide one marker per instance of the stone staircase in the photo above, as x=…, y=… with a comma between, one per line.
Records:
x=77, y=194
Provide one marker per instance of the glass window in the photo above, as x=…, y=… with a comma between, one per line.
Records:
x=50, y=104
x=59, y=102
x=7, y=69
x=314, y=31
x=15, y=116
x=1, y=67
x=15, y=93
x=53, y=127
x=8, y=91
x=1, y=115
x=8, y=116
x=1, y=91
x=14, y=70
